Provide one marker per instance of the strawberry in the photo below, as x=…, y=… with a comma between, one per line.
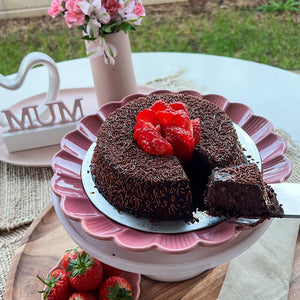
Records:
x=155, y=145
x=159, y=105
x=196, y=130
x=183, y=120
x=115, y=287
x=141, y=127
x=166, y=129
x=182, y=141
x=70, y=254
x=166, y=118
x=179, y=106
x=148, y=115
x=82, y=296
x=109, y=271
x=86, y=272
x=58, y=285
x=150, y=139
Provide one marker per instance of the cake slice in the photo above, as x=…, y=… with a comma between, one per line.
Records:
x=239, y=191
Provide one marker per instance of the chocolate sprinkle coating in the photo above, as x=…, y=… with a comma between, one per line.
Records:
x=240, y=191
x=159, y=187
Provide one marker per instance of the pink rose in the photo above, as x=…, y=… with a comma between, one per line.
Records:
x=55, y=8
x=111, y=6
x=74, y=14
x=139, y=9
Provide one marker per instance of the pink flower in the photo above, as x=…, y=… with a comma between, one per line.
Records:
x=74, y=14
x=97, y=16
x=55, y=8
x=139, y=9
x=111, y=6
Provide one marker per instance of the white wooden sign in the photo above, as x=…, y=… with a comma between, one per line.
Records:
x=38, y=125
x=30, y=130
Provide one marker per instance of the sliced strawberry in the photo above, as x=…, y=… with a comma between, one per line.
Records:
x=183, y=120
x=166, y=118
x=166, y=129
x=159, y=105
x=196, y=130
x=150, y=139
x=179, y=106
x=148, y=115
x=157, y=146
x=182, y=141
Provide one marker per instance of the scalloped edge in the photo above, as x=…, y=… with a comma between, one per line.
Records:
x=226, y=106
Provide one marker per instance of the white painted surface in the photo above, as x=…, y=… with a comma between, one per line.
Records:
x=271, y=92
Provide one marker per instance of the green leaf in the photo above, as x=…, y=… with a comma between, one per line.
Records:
x=126, y=27
x=117, y=293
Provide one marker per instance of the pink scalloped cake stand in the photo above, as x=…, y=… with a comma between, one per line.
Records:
x=76, y=206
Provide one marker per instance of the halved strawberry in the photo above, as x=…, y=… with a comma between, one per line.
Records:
x=147, y=115
x=196, y=130
x=182, y=141
x=150, y=139
x=179, y=106
x=159, y=105
x=183, y=120
x=166, y=118
x=166, y=129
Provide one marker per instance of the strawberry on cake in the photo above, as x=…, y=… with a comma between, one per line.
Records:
x=153, y=156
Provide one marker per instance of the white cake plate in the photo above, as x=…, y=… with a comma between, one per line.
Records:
x=142, y=223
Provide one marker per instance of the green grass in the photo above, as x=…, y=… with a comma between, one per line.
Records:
x=265, y=38
x=270, y=40
x=281, y=5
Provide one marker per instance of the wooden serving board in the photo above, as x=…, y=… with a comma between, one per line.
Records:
x=46, y=241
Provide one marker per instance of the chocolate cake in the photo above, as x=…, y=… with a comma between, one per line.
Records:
x=160, y=187
x=240, y=191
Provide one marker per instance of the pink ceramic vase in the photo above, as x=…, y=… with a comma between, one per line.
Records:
x=113, y=82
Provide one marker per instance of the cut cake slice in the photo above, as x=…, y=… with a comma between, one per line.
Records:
x=239, y=191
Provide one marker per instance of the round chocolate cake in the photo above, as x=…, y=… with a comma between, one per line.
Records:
x=161, y=187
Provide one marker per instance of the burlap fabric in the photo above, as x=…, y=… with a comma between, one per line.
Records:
x=25, y=192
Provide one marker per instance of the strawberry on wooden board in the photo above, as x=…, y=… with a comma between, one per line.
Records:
x=70, y=254
x=86, y=272
x=82, y=296
x=115, y=288
x=58, y=285
x=109, y=271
